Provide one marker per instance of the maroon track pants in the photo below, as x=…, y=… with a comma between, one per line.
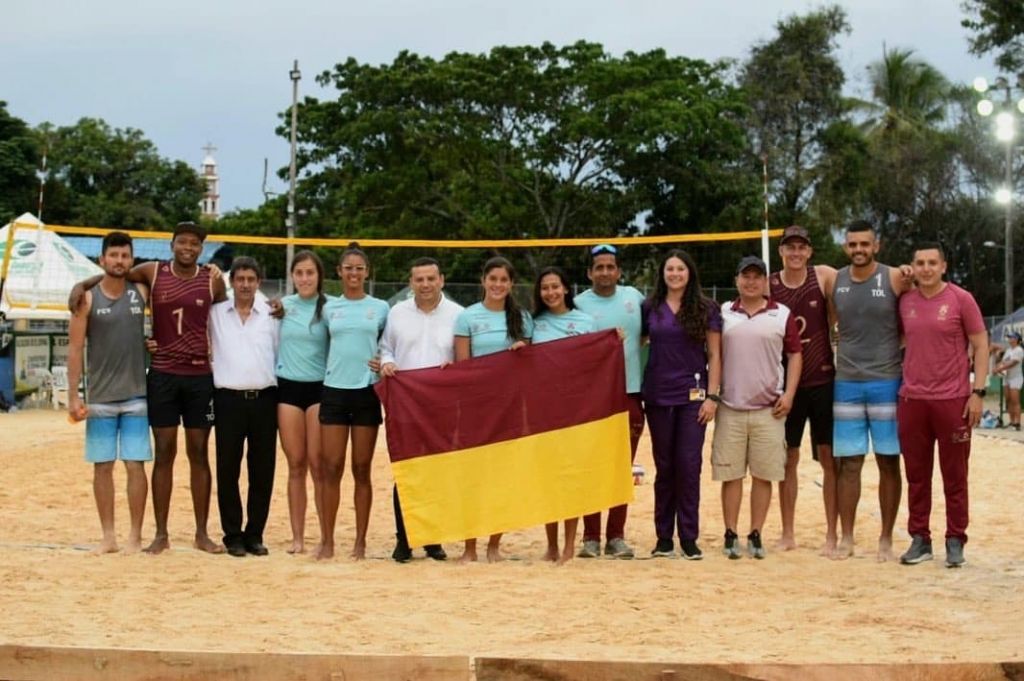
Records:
x=616, y=528
x=922, y=423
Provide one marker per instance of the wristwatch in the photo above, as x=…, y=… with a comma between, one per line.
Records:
x=980, y=392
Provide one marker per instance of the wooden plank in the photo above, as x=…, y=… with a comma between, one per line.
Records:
x=508, y=669
x=31, y=663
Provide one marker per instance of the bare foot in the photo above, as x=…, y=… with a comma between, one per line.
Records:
x=132, y=547
x=204, y=543
x=494, y=555
x=885, y=553
x=324, y=552
x=105, y=546
x=785, y=544
x=844, y=550
x=829, y=549
x=551, y=554
x=297, y=547
x=358, y=552
x=159, y=545
x=567, y=555
x=467, y=557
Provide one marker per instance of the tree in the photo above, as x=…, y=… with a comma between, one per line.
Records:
x=528, y=141
x=794, y=90
x=910, y=95
x=115, y=178
x=997, y=26
x=19, y=158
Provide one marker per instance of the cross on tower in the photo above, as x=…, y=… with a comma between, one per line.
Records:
x=209, y=149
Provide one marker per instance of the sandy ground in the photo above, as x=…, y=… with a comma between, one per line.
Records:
x=795, y=607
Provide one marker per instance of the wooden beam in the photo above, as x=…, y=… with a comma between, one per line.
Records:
x=31, y=663
x=507, y=669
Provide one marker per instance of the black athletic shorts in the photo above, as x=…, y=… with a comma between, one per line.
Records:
x=301, y=394
x=813, y=404
x=355, y=407
x=172, y=399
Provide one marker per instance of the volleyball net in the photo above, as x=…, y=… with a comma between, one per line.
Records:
x=37, y=274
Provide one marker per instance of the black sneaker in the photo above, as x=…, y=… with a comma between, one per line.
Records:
x=954, y=553
x=435, y=552
x=690, y=550
x=664, y=549
x=754, y=547
x=920, y=550
x=732, y=545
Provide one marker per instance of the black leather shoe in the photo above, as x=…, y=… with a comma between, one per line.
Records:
x=236, y=550
x=402, y=553
x=436, y=552
x=257, y=549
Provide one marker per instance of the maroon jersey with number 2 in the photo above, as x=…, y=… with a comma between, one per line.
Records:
x=808, y=305
x=181, y=311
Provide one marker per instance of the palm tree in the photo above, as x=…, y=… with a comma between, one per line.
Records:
x=909, y=95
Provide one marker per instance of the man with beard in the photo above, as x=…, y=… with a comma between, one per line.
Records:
x=869, y=367
x=111, y=320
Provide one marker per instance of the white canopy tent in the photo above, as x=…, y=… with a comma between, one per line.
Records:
x=42, y=270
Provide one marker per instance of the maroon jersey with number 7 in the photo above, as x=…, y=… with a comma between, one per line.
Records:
x=181, y=312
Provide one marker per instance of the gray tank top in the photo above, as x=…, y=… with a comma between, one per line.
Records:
x=869, y=337
x=116, y=346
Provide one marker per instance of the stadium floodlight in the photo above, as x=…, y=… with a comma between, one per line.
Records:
x=1005, y=131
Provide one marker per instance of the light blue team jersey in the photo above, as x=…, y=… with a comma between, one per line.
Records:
x=487, y=330
x=619, y=310
x=354, y=326
x=302, y=354
x=549, y=326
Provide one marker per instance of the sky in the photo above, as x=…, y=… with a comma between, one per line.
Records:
x=188, y=73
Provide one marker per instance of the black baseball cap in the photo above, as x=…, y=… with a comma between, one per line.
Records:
x=1014, y=335
x=189, y=228
x=795, y=232
x=751, y=261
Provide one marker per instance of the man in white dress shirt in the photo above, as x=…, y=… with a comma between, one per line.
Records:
x=244, y=338
x=420, y=332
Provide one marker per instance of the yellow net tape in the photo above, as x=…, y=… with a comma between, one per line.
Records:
x=429, y=243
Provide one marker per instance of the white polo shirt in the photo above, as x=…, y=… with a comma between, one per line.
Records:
x=414, y=339
x=752, y=350
x=244, y=355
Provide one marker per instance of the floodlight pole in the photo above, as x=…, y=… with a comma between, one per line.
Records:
x=1008, y=226
x=295, y=76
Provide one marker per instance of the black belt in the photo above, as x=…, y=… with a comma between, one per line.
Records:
x=249, y=394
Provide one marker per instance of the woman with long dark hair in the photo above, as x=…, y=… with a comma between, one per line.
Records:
x=554, y=317
x=350, y=409
x=681, y=388
x=301, y=365
x=495, y=324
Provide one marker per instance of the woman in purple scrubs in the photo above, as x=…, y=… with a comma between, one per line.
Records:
x=681, y=384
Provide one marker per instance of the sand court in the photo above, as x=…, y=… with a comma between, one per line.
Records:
x=792, y=608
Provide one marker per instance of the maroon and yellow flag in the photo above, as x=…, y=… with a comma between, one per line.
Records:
x=510, y=440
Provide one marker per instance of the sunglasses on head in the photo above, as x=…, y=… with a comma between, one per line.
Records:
x=603, y=248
